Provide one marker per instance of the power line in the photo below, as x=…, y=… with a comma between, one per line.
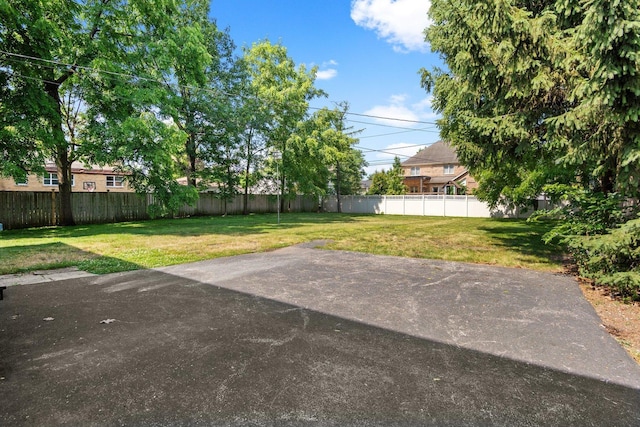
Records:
x=387, y=126
x=385, y=151
x=393, y=118
x=32, y=59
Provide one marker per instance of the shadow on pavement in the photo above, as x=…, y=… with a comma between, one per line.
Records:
x=150, y=348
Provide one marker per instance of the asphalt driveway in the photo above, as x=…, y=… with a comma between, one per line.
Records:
x=303, y=336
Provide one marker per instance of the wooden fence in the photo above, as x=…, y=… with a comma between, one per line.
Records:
x=23, y=209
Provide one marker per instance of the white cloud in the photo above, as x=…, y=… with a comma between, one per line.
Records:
x=327, y=74
x=398, y=109
x=386, y=113
x=327, y=70
x=399, y=22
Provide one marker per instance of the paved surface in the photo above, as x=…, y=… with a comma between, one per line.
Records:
x=42, y=276
x=312, y=337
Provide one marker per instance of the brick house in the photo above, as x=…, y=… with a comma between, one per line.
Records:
x=437, y=170
x=85, y=179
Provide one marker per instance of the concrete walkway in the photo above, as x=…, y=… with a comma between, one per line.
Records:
x=307, y=336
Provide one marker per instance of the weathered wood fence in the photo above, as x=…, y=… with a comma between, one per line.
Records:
x=22, y=209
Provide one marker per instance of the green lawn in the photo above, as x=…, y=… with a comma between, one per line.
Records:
x=126, y=246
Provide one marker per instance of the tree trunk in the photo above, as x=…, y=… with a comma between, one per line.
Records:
x=63, y=163
x=247, y=170
x=338, y=186
x=63, y=167
x=245, y=196
x=190, y=148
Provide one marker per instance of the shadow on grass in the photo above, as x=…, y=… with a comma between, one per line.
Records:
x=191, y=226
x=49, y=256
x=524, y=237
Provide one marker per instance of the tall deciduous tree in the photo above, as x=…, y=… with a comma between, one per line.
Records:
x=344, y=162
x=323, y=153
x=285, y=91
x=81, y=63
x=198, y=71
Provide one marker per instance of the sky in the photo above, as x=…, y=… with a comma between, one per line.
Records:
x=368, y=53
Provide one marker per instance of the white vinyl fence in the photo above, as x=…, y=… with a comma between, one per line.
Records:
x=423, y=205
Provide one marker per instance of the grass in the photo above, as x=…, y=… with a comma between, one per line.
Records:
x=109, y=248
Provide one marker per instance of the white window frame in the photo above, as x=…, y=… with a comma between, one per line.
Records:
x=22, y=183
x=415, y=170
x=115, y=181
x=449, y=169
x=50, y=179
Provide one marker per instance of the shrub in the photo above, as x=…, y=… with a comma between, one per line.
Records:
x=596, y=229
x=611, y=260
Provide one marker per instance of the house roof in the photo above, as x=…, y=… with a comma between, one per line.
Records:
x=437, y=153
x=79, y=167
x=442, y=179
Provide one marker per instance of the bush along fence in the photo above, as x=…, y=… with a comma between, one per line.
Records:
x=424, y=205
x=23, y=209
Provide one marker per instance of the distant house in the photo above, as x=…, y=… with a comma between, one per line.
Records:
x=437, y=170
x=84, y=179
x=365, y=184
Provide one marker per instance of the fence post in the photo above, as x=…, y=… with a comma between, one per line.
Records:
x=444, y=205
x=466, y=199
x=54, y=220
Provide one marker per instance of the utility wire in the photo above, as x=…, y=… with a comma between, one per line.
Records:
x=26, y=59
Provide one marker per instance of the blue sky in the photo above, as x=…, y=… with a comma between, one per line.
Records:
x=369, y=53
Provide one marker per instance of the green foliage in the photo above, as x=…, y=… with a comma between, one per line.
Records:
x=284, y=92
x=390, y=182
x=612, y=259
x=540, y=92
x=595, y=229
x=545, y=96
x=379, y=183
x=579, y=212
x=326, y=161
x=395, y=181
x=69, y=68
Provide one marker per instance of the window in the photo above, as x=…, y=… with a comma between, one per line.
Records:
x=115, y=181
x=51, y=179
x=449, y=169
x=89, y=186
x=415, y=171
x=413, y=189
x=23, y=181
x=434, y=189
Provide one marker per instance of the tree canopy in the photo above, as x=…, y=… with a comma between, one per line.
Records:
x=156, y=90
x=543, y=96
x=389, y=182
x=540, y=92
